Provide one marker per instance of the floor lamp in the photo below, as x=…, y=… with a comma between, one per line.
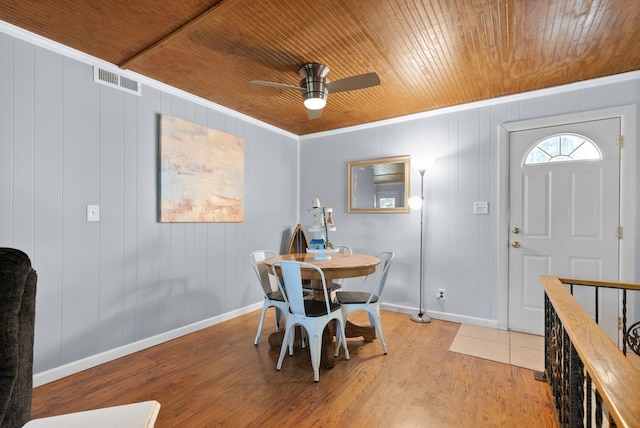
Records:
x=416, y=202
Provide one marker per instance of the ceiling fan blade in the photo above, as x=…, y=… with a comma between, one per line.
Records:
x=314, y=114
x=352, y=83
x=277, y=85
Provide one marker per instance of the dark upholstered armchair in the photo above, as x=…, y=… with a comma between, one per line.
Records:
x=17, y=317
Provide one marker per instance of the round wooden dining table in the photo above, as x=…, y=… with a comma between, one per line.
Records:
x=337, y=267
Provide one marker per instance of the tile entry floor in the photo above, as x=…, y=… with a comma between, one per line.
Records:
x=509, y=347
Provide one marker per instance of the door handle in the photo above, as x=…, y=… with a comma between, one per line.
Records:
x=515, y=244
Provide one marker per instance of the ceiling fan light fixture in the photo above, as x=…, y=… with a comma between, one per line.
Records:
x=315, y=92
x=315, y=103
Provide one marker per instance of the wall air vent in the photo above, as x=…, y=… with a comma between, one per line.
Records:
x=115, y=80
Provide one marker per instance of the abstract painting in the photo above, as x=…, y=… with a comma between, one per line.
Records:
x=201, y=173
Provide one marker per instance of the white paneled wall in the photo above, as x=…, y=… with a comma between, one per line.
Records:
x=66, y=142
x=461, y=249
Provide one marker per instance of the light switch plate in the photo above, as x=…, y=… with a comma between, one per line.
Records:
x=93, y=212
x=481, y=207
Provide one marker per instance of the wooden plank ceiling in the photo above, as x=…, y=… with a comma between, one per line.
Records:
x=428, y=53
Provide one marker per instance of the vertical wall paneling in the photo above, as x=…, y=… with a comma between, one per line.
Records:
x=215, y=233
x=112, y=217
x=48, y=210
x=81, y=239
x=23, y=147
x=6, y=138
x=130, y=216
x=468, y=225
x=438, y=134
x=497, y=185
x=197, y=303
x=151, y=315
x=455, y=241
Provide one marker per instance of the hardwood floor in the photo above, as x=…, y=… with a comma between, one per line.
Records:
x=217, y=377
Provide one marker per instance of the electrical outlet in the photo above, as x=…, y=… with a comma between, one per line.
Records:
x=481, y=207
x=442, y=294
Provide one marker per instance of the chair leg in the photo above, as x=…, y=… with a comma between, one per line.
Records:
x=377, y=323
x=264, y=309
x=342, y=340
x=292, y=339
x=278, y=317
x=285, y=345
x=315, y=349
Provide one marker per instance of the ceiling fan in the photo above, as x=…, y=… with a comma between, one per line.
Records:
x=315, y=86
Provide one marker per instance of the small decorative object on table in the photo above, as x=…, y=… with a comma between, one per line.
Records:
x=322, y=223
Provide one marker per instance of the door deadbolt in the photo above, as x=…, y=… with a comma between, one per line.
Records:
x=516, y=230
x=515, y=244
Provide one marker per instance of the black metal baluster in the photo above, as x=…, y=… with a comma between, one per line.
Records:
x=624, y=322
x=565, y=377
x=589, y=410
x=597, y=306
x=598, y=410
x=576, y=392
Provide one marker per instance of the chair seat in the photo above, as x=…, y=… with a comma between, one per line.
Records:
x=276, y=295
x=334, y=286
x=347, y=297
x=317, y=308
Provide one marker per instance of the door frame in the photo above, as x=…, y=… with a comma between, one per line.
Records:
x=627, y=115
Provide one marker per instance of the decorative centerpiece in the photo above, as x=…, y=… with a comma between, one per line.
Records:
x=323, y=223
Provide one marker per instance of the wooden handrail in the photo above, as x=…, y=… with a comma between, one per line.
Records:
x=604, y=284
x=616, y=379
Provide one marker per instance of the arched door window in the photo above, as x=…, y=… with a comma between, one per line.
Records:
x=563, y=148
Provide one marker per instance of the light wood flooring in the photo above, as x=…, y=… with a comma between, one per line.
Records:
x=509, y=347
x=216, y=377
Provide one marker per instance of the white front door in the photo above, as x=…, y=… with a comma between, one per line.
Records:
x=563, y=216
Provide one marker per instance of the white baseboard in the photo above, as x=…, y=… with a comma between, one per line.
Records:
x=112, y=354
x=444, y=316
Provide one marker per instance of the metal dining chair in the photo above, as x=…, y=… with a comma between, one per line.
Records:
x=352, y=301
x=336, y=284
x=312, y=315
x=272, y=296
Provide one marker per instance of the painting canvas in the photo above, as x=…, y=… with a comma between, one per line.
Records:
x=201, y=173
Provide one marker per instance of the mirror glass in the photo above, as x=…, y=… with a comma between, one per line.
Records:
x=379, y=185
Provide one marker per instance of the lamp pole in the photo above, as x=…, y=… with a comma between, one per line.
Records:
x=421, y=316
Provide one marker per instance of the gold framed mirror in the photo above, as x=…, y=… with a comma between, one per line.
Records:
x=379, y=185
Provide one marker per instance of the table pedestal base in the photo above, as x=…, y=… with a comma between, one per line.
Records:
x=327, y=358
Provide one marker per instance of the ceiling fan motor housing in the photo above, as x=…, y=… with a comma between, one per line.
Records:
x=314, y=82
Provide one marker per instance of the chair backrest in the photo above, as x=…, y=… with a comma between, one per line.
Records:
x=292, y=290
x=385, y=260
x=262, y=271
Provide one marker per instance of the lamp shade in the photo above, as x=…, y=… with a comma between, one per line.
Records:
x=415, y=202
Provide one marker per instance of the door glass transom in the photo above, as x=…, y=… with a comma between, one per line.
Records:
x=563, y=148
